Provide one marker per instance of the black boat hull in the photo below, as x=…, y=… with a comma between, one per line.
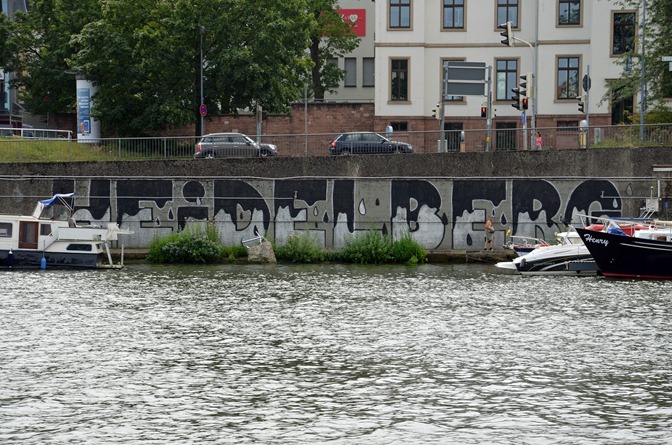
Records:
x=622, y=256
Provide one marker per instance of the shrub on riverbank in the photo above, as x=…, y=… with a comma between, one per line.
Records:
x=303, y=248
x=198, y=245
x=376, y=248
x=192, y=245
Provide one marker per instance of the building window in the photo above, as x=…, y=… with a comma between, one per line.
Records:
x=453, y=14
x=507, y=78
x=569, y=12
x=350, y=72
x=399, y=126
x=400, y=14
x=623, y=31
x=568, y=78
x=507, y=11
x=568, y=126
x=666, y=84
x=443, y=72
x=399, y=80
x=368, y=72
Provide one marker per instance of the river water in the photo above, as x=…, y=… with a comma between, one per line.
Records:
x=332, y=354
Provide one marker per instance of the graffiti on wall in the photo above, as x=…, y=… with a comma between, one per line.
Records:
x=441, y=214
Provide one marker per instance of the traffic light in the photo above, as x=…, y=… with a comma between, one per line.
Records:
x=582, y=103
x=517, y=98
x=525, y=101
x=507, y=34
x=527, y=84
x=484, y=111
x=437, y=113
x=522, y=85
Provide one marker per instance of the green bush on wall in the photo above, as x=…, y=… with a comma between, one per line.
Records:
x=192, y=245
x=303, y=248
x=376, y=248
x=197, y=244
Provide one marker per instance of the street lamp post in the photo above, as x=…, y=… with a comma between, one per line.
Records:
x=201, y=31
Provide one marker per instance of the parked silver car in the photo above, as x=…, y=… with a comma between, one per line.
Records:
x=219, y=145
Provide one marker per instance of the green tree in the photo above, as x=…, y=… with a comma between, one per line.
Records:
x=145, y=57
x=658, y=44
x=37, y=46
x=330, y=37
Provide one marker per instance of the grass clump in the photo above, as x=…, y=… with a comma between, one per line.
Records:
x=303, y=248
x=376, y=248
x=406, y=250
x=192, y=245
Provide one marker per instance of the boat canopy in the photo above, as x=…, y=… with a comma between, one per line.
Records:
x=57, y=199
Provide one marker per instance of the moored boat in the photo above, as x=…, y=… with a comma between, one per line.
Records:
x=647, y=253
x=51, y=238
x=569, y=256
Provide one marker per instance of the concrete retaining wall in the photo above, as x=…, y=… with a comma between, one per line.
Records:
x=441, y=200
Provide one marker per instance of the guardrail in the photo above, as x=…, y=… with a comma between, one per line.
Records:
x=46, y=148
x=35, y=133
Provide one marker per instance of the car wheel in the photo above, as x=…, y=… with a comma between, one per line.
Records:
x=345, y=153
x=263, y=154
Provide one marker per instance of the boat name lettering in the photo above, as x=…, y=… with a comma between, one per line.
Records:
x=591, y=239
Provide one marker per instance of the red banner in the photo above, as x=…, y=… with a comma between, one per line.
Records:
x=357, y=17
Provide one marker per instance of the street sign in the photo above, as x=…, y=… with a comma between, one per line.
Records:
x=203, y=109
x=464, y=78
x=474, y=71
x=667, y=58
x=586, y=83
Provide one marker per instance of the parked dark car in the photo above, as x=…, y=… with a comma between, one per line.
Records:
x=219, y=145
x=366, y=143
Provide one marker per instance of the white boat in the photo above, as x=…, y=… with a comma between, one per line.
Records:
x=568, y=257
x=51, y=238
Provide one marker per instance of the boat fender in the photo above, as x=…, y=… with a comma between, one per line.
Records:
x=523, y=262
x=43, y=263
x=10, y=258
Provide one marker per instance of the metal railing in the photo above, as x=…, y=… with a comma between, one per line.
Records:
x=46, y=148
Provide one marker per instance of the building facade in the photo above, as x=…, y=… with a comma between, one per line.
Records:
x=558, y=42
x=359, y=65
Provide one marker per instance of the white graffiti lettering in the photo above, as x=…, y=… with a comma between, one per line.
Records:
x=591, y=239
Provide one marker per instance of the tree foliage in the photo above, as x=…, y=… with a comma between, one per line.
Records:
x=658, y=43
x=330, y=37
x=37, y=46
x=145, y=56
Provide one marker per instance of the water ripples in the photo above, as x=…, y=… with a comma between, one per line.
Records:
x=332, y=354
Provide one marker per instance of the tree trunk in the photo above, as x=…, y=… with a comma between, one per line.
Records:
x=318, y=88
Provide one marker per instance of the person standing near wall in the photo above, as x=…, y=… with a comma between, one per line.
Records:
x=489, y=235
x=389, y=130
x=538, y=141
